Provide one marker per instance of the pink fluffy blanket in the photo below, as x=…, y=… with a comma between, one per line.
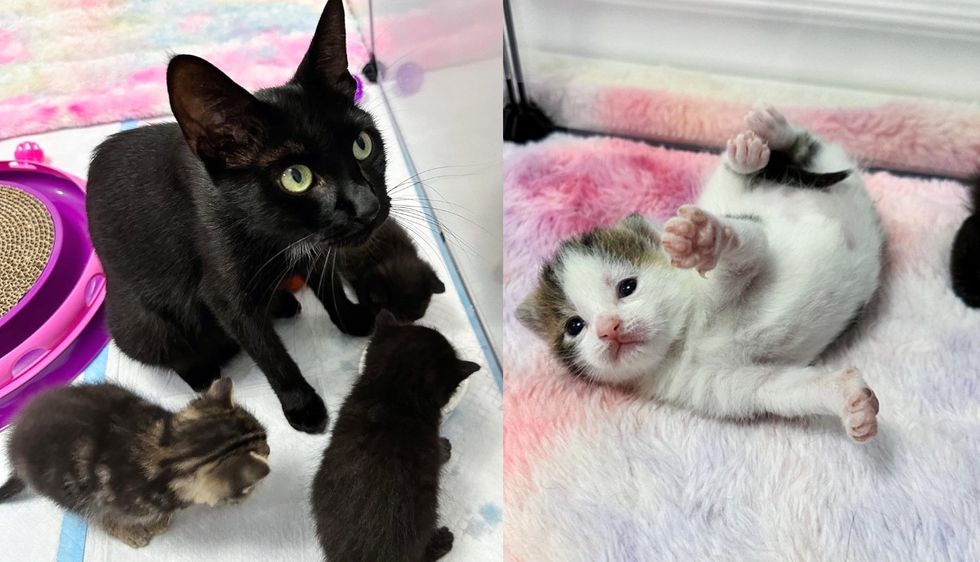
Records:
x=592, y=473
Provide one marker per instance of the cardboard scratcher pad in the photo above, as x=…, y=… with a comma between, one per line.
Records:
x=26, y=240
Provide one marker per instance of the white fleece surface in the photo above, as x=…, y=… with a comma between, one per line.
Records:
x=274, y=523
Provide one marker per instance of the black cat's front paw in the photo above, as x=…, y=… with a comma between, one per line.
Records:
x=439, y=545
x=305, y=411
x=445, y=450
x=284, y=305
x=358, y=320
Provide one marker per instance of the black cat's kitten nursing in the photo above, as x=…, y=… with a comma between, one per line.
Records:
x=127, y=464
x=197, y=222
x=375, y=496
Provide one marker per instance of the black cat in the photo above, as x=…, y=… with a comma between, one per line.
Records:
x=965, y=259
x=375, y=496
x=197, y=222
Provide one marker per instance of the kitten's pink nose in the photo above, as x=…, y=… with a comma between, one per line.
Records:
x=608, y=328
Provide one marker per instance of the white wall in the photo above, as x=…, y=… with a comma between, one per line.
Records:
x=914, y=47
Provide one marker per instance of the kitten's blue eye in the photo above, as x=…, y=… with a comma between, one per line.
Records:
x=296, y=179
x=626, y=287
x=574, y=326
x=362, y=146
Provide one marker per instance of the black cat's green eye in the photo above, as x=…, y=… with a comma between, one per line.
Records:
x=362, y=146
x=296, y=179
x=574, y=326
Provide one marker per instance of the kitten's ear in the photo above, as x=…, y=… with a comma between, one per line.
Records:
x=435, y=284
x=528, y=312
x=221, y=121
x=325, y=63
x=637, y=223
x=243, y=469
x=467, y=368
x=221, y=391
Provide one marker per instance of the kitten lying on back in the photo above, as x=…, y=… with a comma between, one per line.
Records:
x=375, y=496
x=126, y=464
x=387, y=273
x=725, y=309
x=965, y=260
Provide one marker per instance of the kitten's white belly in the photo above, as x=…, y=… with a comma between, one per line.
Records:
x=823, y=266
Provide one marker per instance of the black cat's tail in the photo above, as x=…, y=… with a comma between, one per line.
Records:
x=13, y=487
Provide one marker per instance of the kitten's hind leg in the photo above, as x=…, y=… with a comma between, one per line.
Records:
x=772, y=127
x=439, y=545
x=788, y=392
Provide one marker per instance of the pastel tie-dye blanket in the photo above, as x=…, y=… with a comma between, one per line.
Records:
x=68, y=63
x=594, y=474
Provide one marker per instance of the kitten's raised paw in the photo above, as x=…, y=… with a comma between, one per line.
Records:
x=860, y=407
x=304, y=411
x=770, y=125
x=747, y=153
x=694, y=239
x=440, y=544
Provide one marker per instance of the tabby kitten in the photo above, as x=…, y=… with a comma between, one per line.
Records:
x=387, y=273
x=197, y=222
x=375, y=494
x=127, y=464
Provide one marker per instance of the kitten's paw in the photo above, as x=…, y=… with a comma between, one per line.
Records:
x=440, y=544
x=747, y=153
x=136, y=537
x=860, y=407
x=304, y=411
x=284, y=305
x=445, y=450
x=695, y=239
x=769, y=124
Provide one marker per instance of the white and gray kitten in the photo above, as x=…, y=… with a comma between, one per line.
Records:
x=725, y=309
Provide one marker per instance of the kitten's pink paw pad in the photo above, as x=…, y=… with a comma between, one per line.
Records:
x=860, y=407
x=747, y=153
x=769, y=124
x=694, y=238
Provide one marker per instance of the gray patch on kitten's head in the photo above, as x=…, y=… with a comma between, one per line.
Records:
x=216, y=450
x=547, y=309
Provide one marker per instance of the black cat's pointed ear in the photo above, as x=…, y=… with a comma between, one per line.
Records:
x=221, y=121
x=221, y=391
x=325, y=62
x=467, y=368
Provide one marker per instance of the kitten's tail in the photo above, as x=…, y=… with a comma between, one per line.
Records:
x=13, y=487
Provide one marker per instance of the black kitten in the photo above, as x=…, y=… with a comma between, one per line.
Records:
x=197, y=222
x=127, y=464
x=387, y=273
x=375, y=495
x=965, y=261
